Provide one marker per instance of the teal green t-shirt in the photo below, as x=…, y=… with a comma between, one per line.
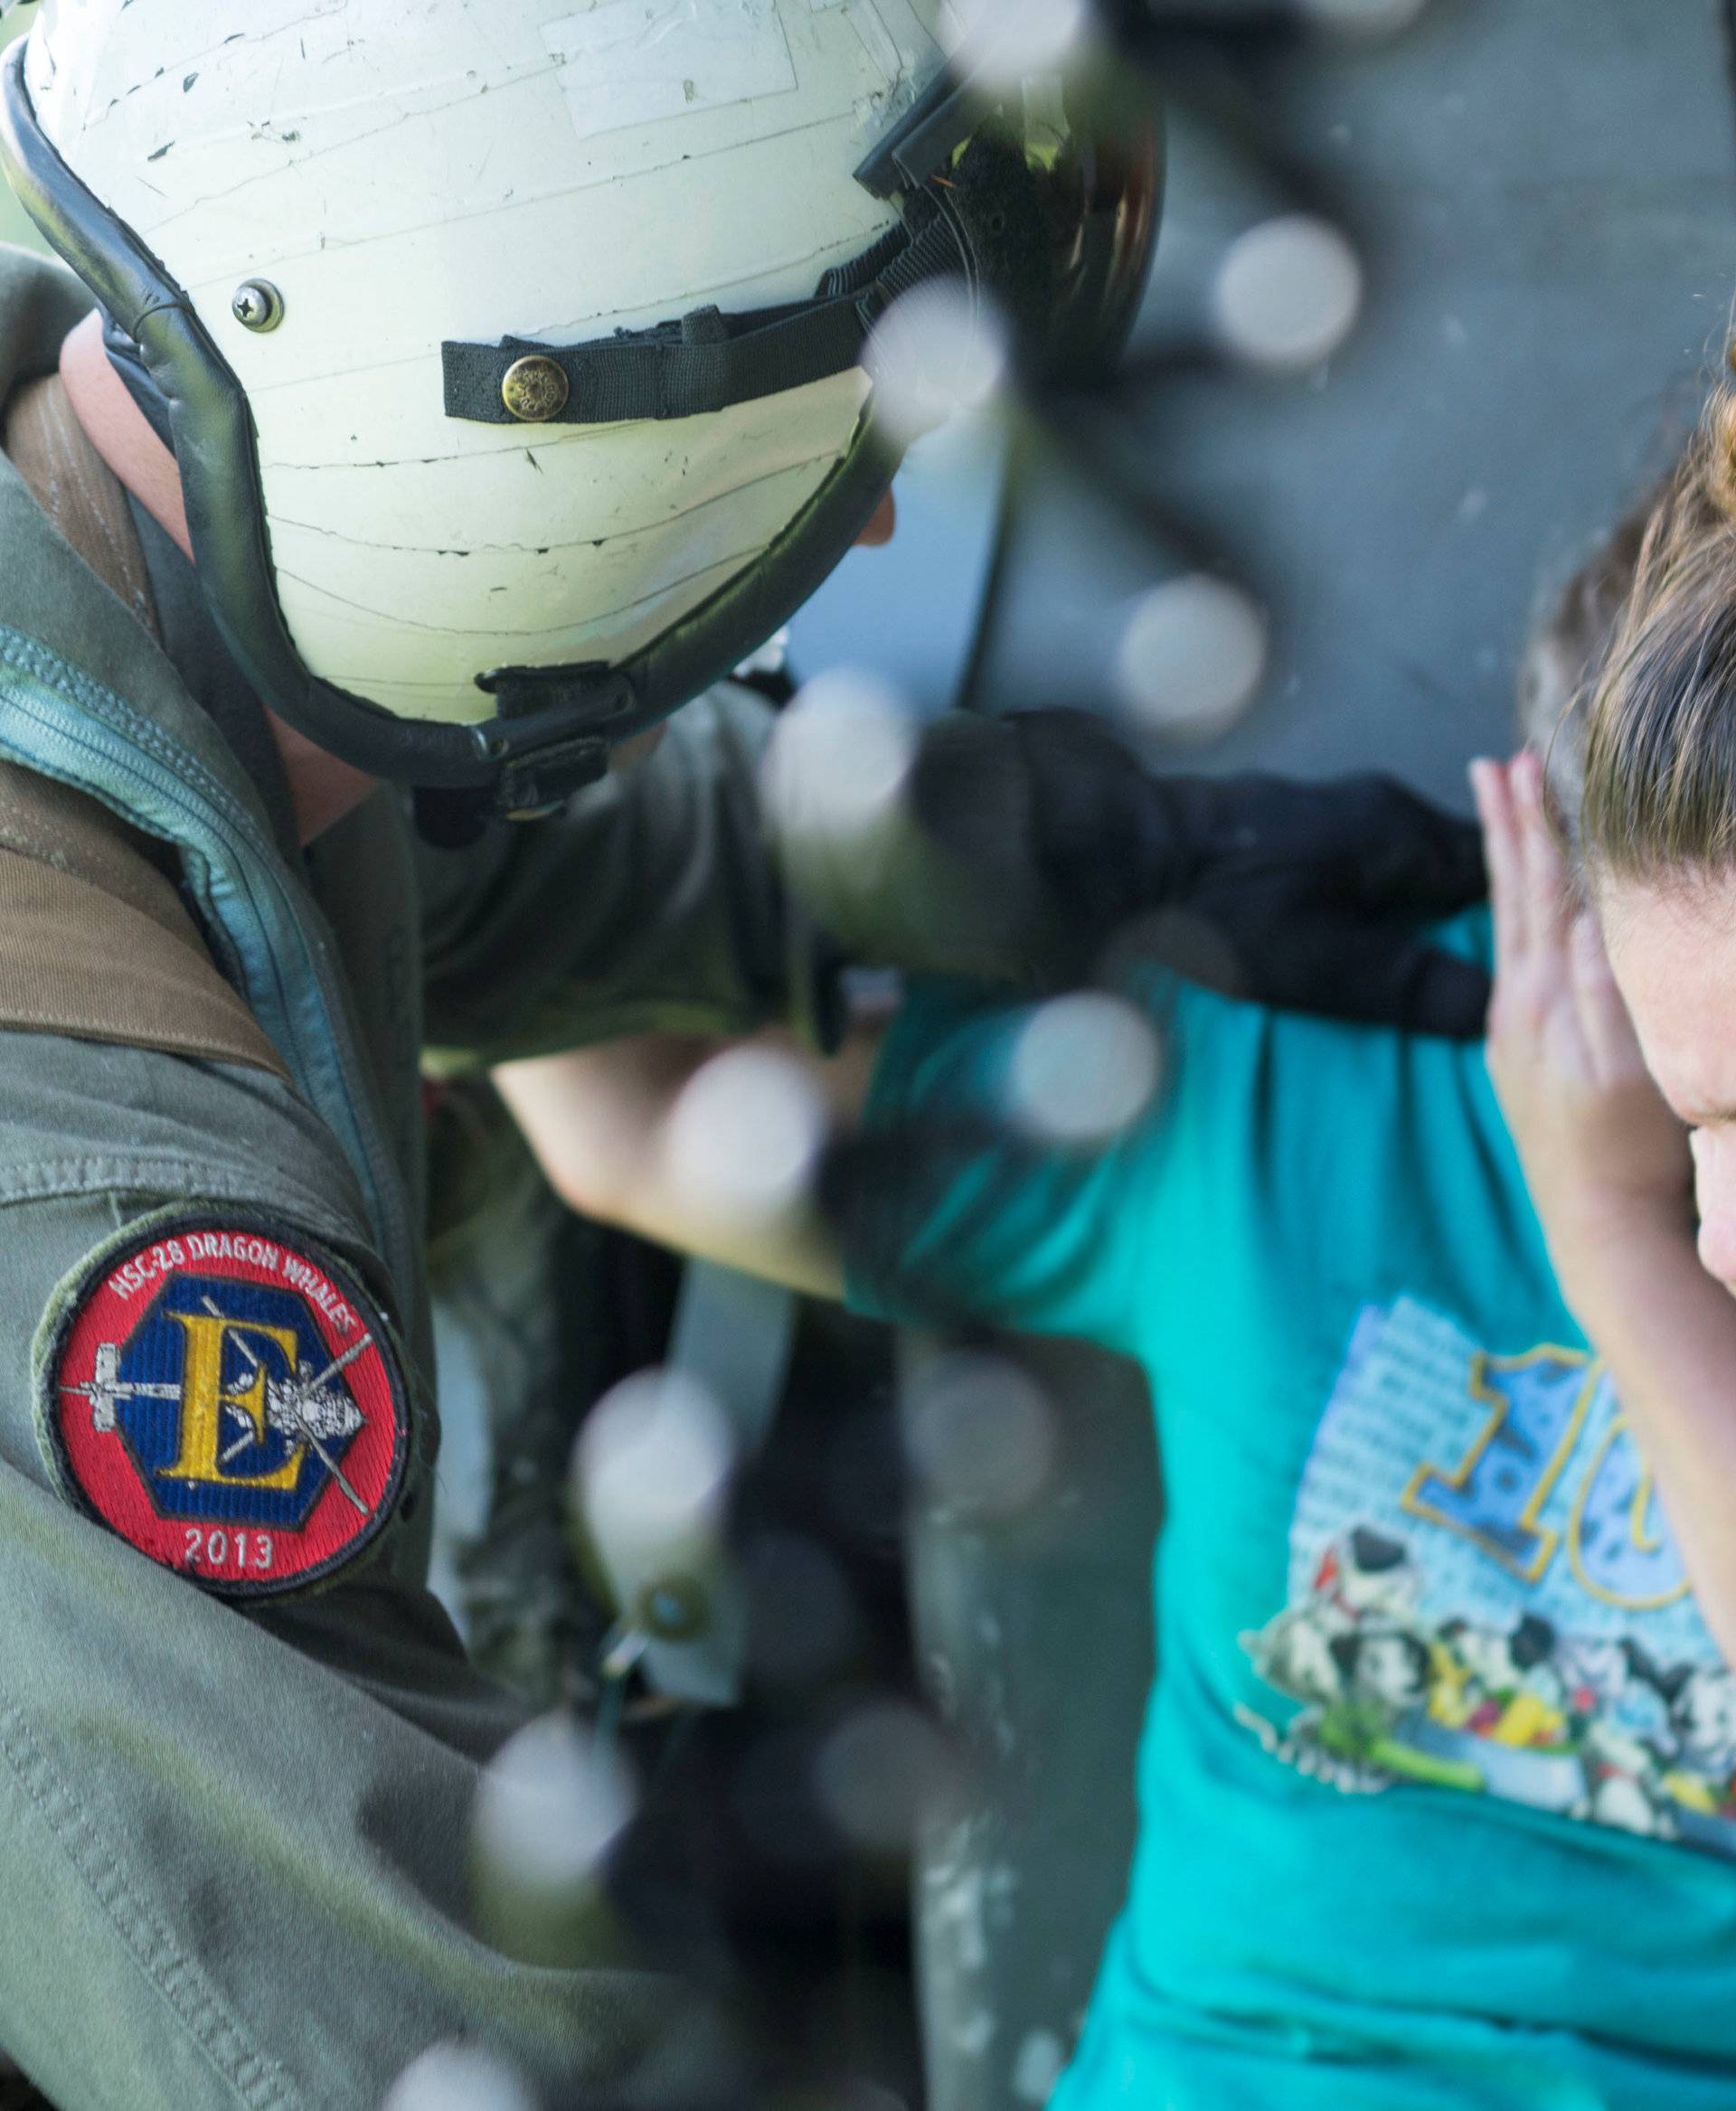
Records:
x=1438, y=1781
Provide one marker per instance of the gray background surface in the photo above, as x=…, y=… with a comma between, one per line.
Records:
x=1543, y=193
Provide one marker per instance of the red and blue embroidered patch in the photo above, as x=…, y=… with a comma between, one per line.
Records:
x=228, y=1400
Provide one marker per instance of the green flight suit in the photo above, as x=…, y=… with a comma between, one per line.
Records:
x=232, y=1836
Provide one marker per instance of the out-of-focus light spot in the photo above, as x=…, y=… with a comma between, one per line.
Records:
x=772, y=658
x=458, y=2077
x=937, y=353
x=1186, y=943
x=743, y=1139
x=839, y=759
x=804, y=1620
x=980, y=1434
x=1037, y=2067
x=1288, y=293
x=1083, y=1067
x=878, y=1770
x=652, y=1467
x=1191, y=659
x=863, y=1478
x=1005, y=42
x=552, y=1803
x=1363, y=18
x=852, y=2092
x=773, y=1798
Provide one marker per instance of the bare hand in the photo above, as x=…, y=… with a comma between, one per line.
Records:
x=1602, y=1153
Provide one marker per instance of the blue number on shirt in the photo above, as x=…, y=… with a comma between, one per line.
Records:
x=1496, y=1492
x=1617, y=1538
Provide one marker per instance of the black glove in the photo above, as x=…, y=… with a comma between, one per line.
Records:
x=1036, y=849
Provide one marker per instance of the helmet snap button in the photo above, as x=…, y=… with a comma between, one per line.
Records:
x=257, y=305
x=534, y=389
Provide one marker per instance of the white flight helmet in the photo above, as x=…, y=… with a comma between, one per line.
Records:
x=512, y=353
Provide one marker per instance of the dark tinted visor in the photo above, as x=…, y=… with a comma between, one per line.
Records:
x=1056, y=185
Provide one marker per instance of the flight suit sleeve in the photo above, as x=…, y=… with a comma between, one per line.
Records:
x=233, y=1829
x=651, y=904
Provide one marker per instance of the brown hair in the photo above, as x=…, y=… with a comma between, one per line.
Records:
x=1566, y=652
x=1659, y=791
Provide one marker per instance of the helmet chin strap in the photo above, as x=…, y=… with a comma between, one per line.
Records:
x=107, y=406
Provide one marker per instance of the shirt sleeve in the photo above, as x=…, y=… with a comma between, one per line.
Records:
x=650, y=905
x=237, y=1829
x=956, y=1212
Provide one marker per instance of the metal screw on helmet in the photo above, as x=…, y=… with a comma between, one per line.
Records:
x=534, y=389
x=257, y=305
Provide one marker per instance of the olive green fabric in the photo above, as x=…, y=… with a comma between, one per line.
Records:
x=94, y=939
x=236, y=1837
x=672, y=921
x=525, y=1289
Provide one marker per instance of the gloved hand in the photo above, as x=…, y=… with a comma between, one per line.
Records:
x=1036, y=849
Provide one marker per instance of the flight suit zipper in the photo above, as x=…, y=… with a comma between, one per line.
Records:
x=57, y=721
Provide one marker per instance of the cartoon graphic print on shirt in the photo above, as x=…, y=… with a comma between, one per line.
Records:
x=1483, y=1595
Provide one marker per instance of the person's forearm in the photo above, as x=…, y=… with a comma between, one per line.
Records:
x=1667, y=1332
x=594, y=1115
x=598, y=1121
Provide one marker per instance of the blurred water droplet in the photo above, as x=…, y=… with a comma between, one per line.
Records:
x=1038, y=2066
x=877, y=1771
x=773, y=1798
x=937, y=353
x=1180, y=940
x=458, y=2077
x=804, y=1622
x=838, y=2092
x=1287, y=292
x=1005, y=41
x=652, y=1466
x=1083, y=1067
x=744, y=1137
x=863, y=1478
x=839, y=759
x=980, y=1434
x=1369, y=18
x=1191, y=659
x=552, y=1803
x=857, y=2093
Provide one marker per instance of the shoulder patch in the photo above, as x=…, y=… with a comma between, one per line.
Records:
x=228, y=1400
